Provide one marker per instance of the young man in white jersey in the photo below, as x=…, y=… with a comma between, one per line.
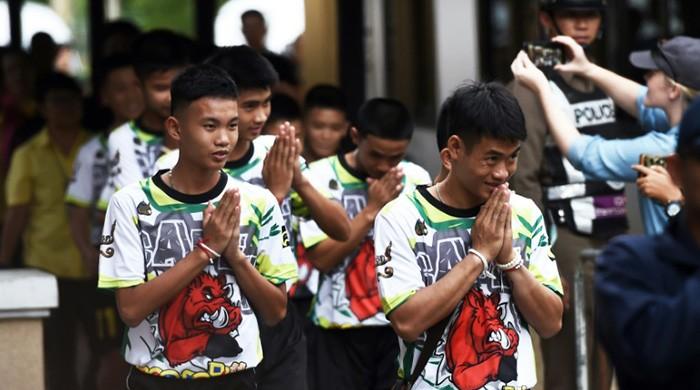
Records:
x=120, y=92
x=135, y=146
x=274, y=163
x=469, y=250
x=355, y=347
x=194, y=255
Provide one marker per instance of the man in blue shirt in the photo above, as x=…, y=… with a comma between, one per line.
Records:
x=647, y=288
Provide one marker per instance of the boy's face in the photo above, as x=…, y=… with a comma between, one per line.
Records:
x=488, y=164
x=376, y=156
x=206, y=130
x=254, y=108
x=156, y=91
x=122, y=94
x=324, y=129
x=62, y=109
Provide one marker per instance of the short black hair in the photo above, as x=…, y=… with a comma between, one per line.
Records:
x=55, y=81
x=477, y=109
x=325, y=96
x=160, y=51
x=385, y=118
x=283, y=107
x=108, y=65
x=246, y=67
x=201, y=81
x=441, y=126
x=254, y=13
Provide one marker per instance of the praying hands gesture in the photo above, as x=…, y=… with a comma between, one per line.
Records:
x=279, y=165
x=492, y=233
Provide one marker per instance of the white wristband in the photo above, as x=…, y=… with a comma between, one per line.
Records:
x=484, y=262
x=513, y=264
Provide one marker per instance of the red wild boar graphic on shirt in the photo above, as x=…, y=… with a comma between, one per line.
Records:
x=361, y=283
x=480, y=347
x=200, y=320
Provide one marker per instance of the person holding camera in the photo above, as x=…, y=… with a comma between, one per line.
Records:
x=586, y=212
x=648, y=286
x=672, y=83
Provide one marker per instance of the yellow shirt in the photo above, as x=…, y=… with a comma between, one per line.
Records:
x=38, y=177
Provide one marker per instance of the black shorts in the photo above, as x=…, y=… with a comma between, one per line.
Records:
x=284, y=354
x=358, y=358
x=137, y=380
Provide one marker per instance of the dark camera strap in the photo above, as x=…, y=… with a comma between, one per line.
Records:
x=431, y=340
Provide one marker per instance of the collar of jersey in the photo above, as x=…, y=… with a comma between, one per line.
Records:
x=164, y=198
x=149, y=137
x=237, y=167
x=439, y=215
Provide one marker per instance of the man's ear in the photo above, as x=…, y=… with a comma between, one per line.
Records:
x=172, y=126
x=446, y=159
x=454, y=147
x=673, y=166
x=355, y=135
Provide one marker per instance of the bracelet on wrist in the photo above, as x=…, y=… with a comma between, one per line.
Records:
x=213, y=255
x=484, y=262
x=512, y=265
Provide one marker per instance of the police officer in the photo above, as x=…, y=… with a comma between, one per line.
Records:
x=583, y=213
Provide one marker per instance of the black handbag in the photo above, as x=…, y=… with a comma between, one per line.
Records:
x=431, y=340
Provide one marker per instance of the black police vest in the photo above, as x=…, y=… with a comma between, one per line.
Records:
x=586, y=207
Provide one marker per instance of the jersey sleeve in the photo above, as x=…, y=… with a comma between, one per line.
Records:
x=79, y=192
x=398, y=274
x=122, y=262
x=275, y=260
x=538, y=251
x=113, y=158
x=19, y=185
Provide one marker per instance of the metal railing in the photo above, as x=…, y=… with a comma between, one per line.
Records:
x=587, y=255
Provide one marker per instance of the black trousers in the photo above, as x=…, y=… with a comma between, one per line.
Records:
x=358, y=358
x=137, y=380
x=284, y=354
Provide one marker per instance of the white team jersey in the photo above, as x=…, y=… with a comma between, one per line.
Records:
x=209, y=328
x=90, y=172
x=347, y=295
x=486, y=344
x=132, y=156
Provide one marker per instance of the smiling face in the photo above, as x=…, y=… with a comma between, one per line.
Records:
x=254, y=109
x=122, y=94
x=206, y=130
x=484, y=166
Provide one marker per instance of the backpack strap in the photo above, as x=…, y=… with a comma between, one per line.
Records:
x=431, y=340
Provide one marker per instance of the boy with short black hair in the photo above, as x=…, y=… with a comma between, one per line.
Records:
x=193, y=252
x=355, y=347
x=469, y=260
x=273, y=162
x=325, y=121
x=134, y=147
x=283, y=108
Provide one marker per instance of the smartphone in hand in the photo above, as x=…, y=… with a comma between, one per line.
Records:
x=544, y=54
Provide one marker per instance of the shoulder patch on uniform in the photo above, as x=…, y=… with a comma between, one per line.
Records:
x=420, y=227
x=144, y=208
